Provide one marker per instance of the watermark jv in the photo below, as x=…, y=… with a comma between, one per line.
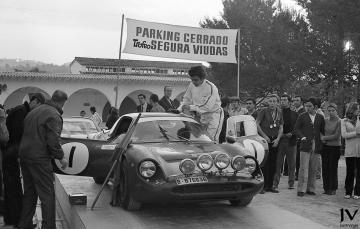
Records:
x=348, y=218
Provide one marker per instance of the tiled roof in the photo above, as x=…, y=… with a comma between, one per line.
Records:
x=103, y=77
x=86, y=61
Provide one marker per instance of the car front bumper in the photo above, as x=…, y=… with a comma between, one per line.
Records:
x=217, y=188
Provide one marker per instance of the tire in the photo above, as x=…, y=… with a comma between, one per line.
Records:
x=243, y=202
x=126, y=200
x=99, y=180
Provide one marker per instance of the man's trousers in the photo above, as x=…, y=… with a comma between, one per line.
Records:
x=290, y=151
x=38, y=182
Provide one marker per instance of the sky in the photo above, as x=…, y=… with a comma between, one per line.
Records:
x=55, y=31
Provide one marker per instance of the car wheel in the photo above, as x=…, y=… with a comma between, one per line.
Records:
x=242, y=202
x=126, y=200
x=99, y=180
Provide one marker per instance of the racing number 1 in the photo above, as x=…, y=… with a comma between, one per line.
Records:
x=71, y=156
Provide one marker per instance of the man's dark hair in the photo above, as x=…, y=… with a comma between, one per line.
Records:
x=142, y=95
x=154, y=98
x=166, y=87
x=59, y=96
x=296, y=96
x=93, y=109
x=287, y=96
x=252, y=100
x=197, y=71
x=318, y=102
x=311, y=100
x=225, y=101
x=38, y=96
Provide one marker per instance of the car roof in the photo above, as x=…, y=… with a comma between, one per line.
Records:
x=154, y=115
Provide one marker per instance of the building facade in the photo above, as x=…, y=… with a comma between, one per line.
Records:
x=102, y=83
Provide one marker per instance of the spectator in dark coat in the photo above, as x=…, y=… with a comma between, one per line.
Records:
x=144, y=106
x=166, y=101
x=112, y=117
x=309, y=126
x=39, y=145
x=11, y=170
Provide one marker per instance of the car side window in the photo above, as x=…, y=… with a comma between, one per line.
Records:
x=122, y=126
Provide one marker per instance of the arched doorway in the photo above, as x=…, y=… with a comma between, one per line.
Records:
x=21, y=95
x=82, y=100
x=128, y=105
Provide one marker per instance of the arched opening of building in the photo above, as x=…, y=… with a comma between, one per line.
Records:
x=21, y=95
x=83, y=99
x=130, y=102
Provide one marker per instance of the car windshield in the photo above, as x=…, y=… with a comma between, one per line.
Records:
x=78, y=127
x=169, y=130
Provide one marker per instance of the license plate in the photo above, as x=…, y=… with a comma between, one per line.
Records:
x=191, y=180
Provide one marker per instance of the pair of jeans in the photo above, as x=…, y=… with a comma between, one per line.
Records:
x=307, y=171
x=330, y=157
x=352, y=163
x=270, y=167
x=285, y=148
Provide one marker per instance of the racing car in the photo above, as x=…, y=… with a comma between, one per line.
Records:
x=170, y=158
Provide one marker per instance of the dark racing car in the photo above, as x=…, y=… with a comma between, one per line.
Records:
x=170, y=158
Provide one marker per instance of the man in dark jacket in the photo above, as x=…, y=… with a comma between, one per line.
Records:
x=11, y=170
x=166, y=101
x=144, y=106
x=308, y=128
x=287, y=144
x=39, y=145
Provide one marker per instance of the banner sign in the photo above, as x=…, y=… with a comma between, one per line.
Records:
x=180, y=42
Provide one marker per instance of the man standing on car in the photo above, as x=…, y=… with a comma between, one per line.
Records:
x=11, y=170
x=287, y=144
x=39, y=145
x=202, y=97
x=270, y=125
x=309, y=126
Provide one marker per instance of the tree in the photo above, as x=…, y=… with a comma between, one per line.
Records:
x=271, y=47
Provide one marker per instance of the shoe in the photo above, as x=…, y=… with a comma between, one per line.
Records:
x=347, y=196
x=262, y=191
x=310, y=193
x=333, y=192
x=355, y=197
x=296, y=178
x=291, y=187
x=273, y=190
x=327, y=192
x=300, y=194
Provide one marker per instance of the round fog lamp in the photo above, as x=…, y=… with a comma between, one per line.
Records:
x=238, y=163
x=187, y=166
x=204, y=162
x=147, y=169
x=222, y=160
x=250, y=164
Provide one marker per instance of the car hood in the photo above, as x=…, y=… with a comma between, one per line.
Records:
x=169, y=155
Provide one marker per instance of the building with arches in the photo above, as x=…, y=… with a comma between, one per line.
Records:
x=92, y=83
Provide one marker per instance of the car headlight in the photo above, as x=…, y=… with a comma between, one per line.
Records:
x=238, y=163
x=205, y=162
x=222, y=160
x=147, y=169
x=187, y=166
x=250, y=164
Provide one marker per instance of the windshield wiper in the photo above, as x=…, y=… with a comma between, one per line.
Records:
x=163, y=132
